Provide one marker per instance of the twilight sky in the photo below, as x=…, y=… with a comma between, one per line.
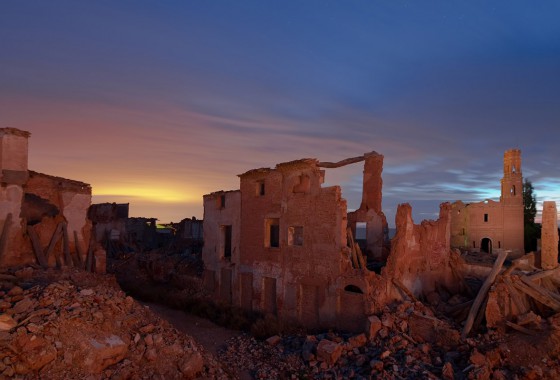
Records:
x=159, y=102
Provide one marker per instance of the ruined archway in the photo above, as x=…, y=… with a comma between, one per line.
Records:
x=486, y=245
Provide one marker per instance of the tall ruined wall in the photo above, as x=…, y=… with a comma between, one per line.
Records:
x=294, y=259
x=370, y=211
x=32, y=204
x=291, y=276
x=420, y=254
x=71, y=199
x=549, y=236
x=221, y=209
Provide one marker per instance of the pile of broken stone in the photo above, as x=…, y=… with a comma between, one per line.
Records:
x=75, y=325
x=405, y=341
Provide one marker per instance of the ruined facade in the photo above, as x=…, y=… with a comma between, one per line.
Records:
x=284, y=245
x=44, y=218
x=109, y=221
x=491, y=226
x=189, y=236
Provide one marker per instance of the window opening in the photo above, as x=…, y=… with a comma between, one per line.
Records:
x=226, y=234
x=485, y=217
x=353, y=289
x=272, y=233
x=221, y=201
x=260, y=190
x=295, y=235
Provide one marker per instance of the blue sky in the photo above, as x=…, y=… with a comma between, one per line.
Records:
x=158, y=103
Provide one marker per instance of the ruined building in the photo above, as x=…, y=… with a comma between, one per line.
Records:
x=43, y=218
x=283, y=244
x=489, y=225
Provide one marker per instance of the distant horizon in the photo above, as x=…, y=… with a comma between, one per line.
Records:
x=158, y=103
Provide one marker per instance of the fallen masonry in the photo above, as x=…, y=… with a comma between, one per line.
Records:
x=72, y=324
x=286, y=249
x=411, y=343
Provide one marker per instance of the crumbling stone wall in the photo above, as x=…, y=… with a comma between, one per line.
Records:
x=370, y=210
x=32, y=204
x=295, y=258
x=549, y=236
x=420, y=254
x=109, y=221
x=72, y=199
x=220, y=253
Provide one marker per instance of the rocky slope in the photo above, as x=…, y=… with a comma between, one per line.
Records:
x=76, y=325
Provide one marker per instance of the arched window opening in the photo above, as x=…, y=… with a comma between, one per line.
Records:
x=353, y=289
x=513, y=190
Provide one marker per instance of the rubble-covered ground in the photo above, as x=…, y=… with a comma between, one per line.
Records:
x=75, y=325
x=68, y=324
x=405, y=342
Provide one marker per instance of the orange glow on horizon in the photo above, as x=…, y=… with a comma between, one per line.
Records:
x=148, y=193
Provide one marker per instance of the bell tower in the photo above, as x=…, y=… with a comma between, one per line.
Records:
x=512, y=182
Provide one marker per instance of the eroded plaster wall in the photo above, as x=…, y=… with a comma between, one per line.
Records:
x=420, y=254
x=222, y=211
x=38, y=204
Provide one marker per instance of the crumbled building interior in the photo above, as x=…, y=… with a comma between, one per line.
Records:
x=284, y=245
x=44, y=218
x=281, y=245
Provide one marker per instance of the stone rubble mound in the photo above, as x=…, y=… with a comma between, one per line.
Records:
x=76, y=325
x=407, y=341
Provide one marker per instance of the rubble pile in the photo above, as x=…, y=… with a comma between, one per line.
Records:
x=406, y=341
x=70, y=325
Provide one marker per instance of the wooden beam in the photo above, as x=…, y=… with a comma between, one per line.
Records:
x=90, y=259
x=532, y=292
x=543, y=274
x=543, y=292
x=81, y=263
x=66, y=245
x=4, y=236
x=511, y=268
x=348, y=161
x=514, y=294
x=352, y=244
x=482, y=293
x=360, y=255
x=37, y=247
x=481, y=313
x=54, y=239
x=520, y=328
x=403, y=288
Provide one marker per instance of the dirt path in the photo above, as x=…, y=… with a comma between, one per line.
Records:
x=211, y=336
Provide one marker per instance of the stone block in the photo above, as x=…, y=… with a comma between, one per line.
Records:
x=329, y=351
x=373, y=326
